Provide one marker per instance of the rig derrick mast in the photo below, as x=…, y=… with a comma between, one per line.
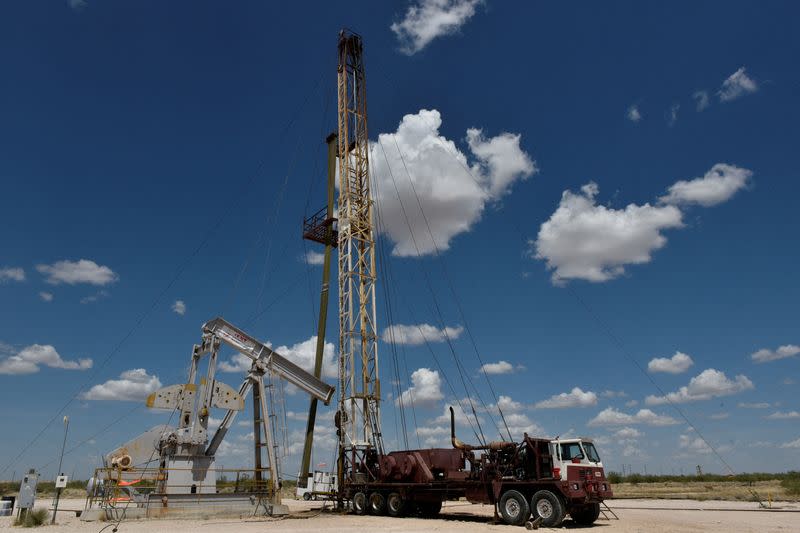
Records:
x=358, y=415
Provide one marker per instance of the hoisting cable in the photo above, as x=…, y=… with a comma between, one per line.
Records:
x=433, y=295
x=452, y=290
x=444, y=375
x=384, y=266
x=450, y=284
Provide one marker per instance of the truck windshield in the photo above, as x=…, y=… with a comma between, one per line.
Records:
x=591, y=452
x=570, y=450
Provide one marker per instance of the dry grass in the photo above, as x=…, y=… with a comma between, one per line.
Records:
x=705, y=490
x=33, y=518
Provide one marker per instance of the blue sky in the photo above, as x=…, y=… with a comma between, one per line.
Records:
x=607, y=184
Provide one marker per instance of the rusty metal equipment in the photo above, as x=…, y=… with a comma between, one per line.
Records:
x=520, y=478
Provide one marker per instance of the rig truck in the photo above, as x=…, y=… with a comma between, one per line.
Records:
x=547, y=479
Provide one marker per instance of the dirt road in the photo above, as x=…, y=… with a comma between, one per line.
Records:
x=635, y=516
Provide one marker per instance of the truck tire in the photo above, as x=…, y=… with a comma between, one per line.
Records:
x=395, y=505
x=514, y=508
x=377, y=504
x=586, y=516
x=307, y=496
x=548, y=507
x=429, y=509
x=359, y=503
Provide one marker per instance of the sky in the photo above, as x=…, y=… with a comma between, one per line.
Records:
x=587, y=217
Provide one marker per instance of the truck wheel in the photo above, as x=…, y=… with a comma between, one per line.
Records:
x=514, y=508
x=359, y=503
x=395, y=505
x=377, y=503
x=548, y=507
x=307, y=496
x=586, y=516
x=429, y=509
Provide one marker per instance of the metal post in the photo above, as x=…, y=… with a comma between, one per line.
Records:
x=273, y=460
x=257, y=437
x=305, y=465
x=60, y=462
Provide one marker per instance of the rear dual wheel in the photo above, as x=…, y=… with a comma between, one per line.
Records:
x=377, y=503
x=586, y=516
x=359, y=503
x=395, y=505
x=514, y=508
x=548, y=507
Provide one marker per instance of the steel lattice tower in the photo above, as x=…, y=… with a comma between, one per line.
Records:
x=358, y=417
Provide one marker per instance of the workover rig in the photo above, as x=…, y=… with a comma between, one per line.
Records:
x=542, y=479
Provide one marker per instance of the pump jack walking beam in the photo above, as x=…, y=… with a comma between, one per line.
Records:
x=312, y=229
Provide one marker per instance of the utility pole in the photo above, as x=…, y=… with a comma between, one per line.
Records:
x=358, y=416
x=60, y=462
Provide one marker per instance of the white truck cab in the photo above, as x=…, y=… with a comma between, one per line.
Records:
x=576, y=462
x=574, y=453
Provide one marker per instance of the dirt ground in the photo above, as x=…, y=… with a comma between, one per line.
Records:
x=634, y=516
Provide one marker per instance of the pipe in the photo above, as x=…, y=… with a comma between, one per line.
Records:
x=457, y=444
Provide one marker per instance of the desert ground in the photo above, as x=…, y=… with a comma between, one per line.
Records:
x=634, y=515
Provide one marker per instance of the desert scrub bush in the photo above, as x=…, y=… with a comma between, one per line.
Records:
x=791, y=483
x=32, y=518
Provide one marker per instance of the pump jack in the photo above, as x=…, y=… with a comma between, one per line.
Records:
x=186, y=476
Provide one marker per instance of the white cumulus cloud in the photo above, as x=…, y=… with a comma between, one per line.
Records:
x=633, y=114
x=710, y=383
x=314, y=258
x=717, y=185
x=426, y=389
x=575, y=398
x=737, y=85
x=628, y=433
x=613, y=417
x=11, y=274
x=30, y=358
x=765, y=355
x=423, y=181
x=500, y=367
x=759, y=405
x=416, y=334
x=672, y=116
x=701, y=99
x=425, y=20
x=696, y=445
x=583, y=240
x=792, y=444
x=678, y=363
x=74, y=272
x=179, y=307
x=46, y=296
x=782, y=415
x=133, y=385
